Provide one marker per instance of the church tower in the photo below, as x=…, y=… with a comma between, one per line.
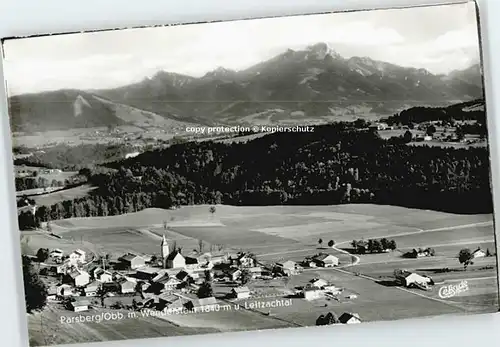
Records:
x=165, y=251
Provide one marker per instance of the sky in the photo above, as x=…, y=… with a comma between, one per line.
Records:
x=439, y=39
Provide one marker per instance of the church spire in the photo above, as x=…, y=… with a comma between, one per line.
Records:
x=165, y=249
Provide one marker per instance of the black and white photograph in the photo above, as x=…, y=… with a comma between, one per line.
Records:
x=296, y=171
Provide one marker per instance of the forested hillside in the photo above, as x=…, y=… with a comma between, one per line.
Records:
x=333, y=165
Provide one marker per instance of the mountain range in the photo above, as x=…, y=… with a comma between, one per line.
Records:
x=311, y=85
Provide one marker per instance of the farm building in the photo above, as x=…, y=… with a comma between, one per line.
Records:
x=175, y=260
x=126, y=286
x=478, y=253
x=411, y=278
x=91, y=289
x=191, y=263
x=166, y=300
x=51, y=293
x=80, y=305
x=132, y=261
x=64, y=290
x=312, y=293
x=234, y=274
x=318, y=283
x=77, y=256
x=219, y=259
x=255, y=271
x=240, y=293
x=349, y=318
x=201, y=304
x=103, y=276
x=183, y=276
x=288, y=268
x=147, y=273
x=56, y=255
x=78, y=278
x=326, y=260
x=170, y=283
x=243, y=260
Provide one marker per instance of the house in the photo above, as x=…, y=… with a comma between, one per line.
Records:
x=78, y=278
x=349, y=318
x=170, y=283
x=147, y=273
x=318, y=283
x=166, y=300
x=191, y=263
x=91, y=289
x=240, y=293
x=175, y=260
x=80, y=305
x=234, y=274
x=408, y=279
x=183, y=276
x=478, y=253
x=326, y=260
x=219, y=259
x=312, y=293
x=77, y=257
x=288, y=268
x=126, y=286
x=64, y=290
x=56, y=255
x=244, y=260
x=332, y=289
x=255, y=271
x=52, y=293
x=201, y=304
x=103, y=276
x=132, y=261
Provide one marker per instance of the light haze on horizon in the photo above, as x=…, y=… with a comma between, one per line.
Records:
x=438, y=38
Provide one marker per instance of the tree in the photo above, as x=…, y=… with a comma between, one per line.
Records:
x=431, y=129
x=321, y=320
x=488, y=253
x=320, y=242
x=205, y=291
x=465, y=257
x=208, y=276
x=385, y=243
x=245, y=277
x=376, y=246
x=35, y=291
x=370, y=246
x=42, y=254
x=408, y=136
x=354, y=244
x=200, y=245
x=331, y=243
x=392, y=245
x=212, y=210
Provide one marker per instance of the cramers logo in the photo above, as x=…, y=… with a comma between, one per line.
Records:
x=449, y=291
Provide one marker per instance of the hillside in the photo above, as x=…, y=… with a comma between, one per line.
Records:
x=311, y=85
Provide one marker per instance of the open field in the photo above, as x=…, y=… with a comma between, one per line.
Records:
x=62, y=195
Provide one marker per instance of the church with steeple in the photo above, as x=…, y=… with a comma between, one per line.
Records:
x=165, y=251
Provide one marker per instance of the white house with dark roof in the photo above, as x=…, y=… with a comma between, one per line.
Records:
x=326, y=260
x=318, y=283
x=175, y=260
x=56, y=254
x=408, y=279
x=349, y=318
x=240, y=293
x=201, y=304
x=132, y=261
x=103, y=276
x=289, y=268
x=77, y=256
x=126, y=285
x=91, y=289
x=79, y=278
x=312, y=293
x=478, y=253
x=80, y=305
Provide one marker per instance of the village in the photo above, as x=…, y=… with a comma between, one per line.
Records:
x=175, y=283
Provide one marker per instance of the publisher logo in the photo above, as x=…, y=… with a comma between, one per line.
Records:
x=449, y=291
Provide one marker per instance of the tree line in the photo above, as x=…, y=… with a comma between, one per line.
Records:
x=335, y=164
